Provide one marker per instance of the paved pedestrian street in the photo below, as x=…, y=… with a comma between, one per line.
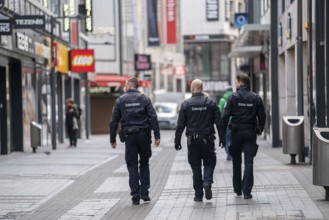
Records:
x=91, y=182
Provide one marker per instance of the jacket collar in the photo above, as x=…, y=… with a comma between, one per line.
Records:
x=198, y=94
x=243, y=87
x=131, y=90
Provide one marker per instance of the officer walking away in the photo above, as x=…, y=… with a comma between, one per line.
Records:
x=199, y=114
x=221, y=105
x=247, y=113
x=137, y=116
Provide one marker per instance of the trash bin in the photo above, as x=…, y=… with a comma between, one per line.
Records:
x=293, y=136
x=321, y=158
x=35, y=135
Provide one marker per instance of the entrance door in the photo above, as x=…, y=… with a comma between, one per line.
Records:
x=3, y=112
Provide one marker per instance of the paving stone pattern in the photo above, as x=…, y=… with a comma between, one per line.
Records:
x=91, y=182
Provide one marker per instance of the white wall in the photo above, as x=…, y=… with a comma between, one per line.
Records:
x=194, y=19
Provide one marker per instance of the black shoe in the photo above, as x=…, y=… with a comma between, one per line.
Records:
x=197, y=199
x=207, y=189
x=135, y=200
x=146, y=198
x=238, y=193
x=247, y=196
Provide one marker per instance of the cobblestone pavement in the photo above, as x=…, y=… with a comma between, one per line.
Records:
x=91, y=182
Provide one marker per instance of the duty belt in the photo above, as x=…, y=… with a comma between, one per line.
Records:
x=243, y=126
x=200, y=136
x=134, y=130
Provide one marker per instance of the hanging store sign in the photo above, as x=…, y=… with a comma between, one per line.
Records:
x=5, y=27
x=180, y=70
x=66, y=20
x=42, y=52
x=152, y=15
x=24, y=43
x=29, y=22
x=89, y=15
x=61, y=58
x=142, y=62
x=82, y=61
x=72, y=8
x=171, y=21
x=212, y=10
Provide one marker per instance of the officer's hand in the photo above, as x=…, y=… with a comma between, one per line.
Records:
x=114, y=145
x=157, y=142
x=222, y=144
x=258, y=131
x=178, y=147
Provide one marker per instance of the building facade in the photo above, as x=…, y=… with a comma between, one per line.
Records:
x=208, y=37
x=34, y=83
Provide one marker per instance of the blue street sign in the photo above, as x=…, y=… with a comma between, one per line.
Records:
x=240, y=19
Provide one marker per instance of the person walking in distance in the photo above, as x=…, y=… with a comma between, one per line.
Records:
x=199, y=114
x=137, y=116
x=221, y=105
x=71, y=122
x=246, y=110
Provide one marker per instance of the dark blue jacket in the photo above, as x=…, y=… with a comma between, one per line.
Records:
x=245, y=108
x=199, y=114
x=133, y=109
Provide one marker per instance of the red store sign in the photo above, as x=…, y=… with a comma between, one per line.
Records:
x=82, y=61
x=171, y=21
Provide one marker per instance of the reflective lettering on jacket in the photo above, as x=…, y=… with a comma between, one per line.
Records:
x=199, y=109
x=241, y=104
x=129, y=105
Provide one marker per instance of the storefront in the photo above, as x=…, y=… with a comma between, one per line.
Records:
x=206, y=58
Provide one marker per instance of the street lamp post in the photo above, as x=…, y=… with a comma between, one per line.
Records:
x=52, y=87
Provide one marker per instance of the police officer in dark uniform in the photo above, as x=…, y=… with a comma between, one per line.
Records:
x=137, y=116
x=199, y=114
x=247, y=113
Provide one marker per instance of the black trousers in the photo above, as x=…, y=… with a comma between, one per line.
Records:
x=201, y=150
x=72, y=133
x=243, y=141
x=138, y=146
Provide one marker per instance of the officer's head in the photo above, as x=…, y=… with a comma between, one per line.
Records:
x=196, y=86
x=242, y=79
x=131, y=83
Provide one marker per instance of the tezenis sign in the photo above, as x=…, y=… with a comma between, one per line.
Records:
x=82, y=61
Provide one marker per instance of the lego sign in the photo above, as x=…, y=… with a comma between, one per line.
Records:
x=82, y=61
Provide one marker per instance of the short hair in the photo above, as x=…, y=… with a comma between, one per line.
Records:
x=243, y=78
x=133, y=82
x=197, y=84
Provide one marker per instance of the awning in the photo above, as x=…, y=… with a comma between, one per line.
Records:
x=113, y=80
x=251, y=40
x=247, y=51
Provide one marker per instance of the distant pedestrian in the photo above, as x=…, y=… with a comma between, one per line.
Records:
x=138, y=117
x=246, y=110
x=199, y=114
x=221, y=105
x=71, y=122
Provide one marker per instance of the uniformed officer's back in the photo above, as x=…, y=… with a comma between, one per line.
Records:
x=245, y=106
x=133, y=106
x=246, y=111
x=137, y=116
x=199, y=114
